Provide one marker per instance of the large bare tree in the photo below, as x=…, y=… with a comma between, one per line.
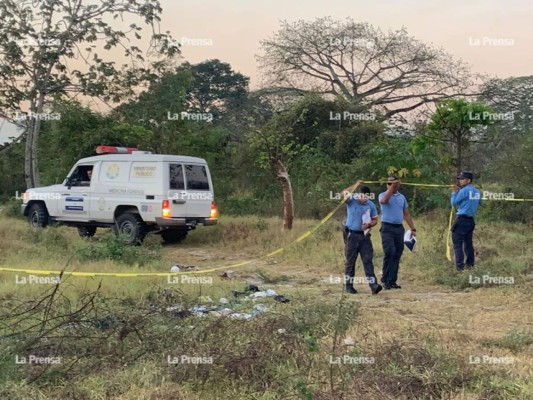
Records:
x=49, y=48
x=392, y=71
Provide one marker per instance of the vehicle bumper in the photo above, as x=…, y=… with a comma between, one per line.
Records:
x=176, y=222
x=23, y=209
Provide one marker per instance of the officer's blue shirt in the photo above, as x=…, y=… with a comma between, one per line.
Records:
x=392, y=212
x=355, y=211
x=467, y=199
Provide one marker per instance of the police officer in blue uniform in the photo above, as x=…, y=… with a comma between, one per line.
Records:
x=393, y=211
x=467, y=198
x=356, y=240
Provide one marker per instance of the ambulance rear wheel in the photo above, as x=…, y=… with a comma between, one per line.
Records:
x=130, y=227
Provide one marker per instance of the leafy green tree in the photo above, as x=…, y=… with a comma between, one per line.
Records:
x=460, y=123
x=160, y=109
x=513, y=98
x=40, y=41
x=214, y=87
x=76, y=136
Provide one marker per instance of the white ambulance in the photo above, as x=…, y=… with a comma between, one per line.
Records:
x=133, y=192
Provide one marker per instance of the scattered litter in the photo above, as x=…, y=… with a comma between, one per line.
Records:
x=207, y=307
x=258, y=310
x=265, y=293
x=229, y=274
x=248, y=289
x=282, y=330
x=240, y=316
x=281, y=299
x=177, y=268
x=348, y=341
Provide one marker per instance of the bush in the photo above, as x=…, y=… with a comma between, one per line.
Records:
x=111, y=247
x=11, y=208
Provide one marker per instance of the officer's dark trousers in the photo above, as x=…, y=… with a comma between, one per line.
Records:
x=357, y=243
x=462, y=234
x=392, y=242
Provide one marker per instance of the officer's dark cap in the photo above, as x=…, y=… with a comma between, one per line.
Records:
x=364, y=190
x=465, y=175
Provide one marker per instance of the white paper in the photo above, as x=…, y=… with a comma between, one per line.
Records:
x=365, y=219
x=408, y=237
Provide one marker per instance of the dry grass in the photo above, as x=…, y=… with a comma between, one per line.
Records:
x=422, y=337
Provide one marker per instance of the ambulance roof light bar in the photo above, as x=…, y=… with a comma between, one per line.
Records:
x=115, y=150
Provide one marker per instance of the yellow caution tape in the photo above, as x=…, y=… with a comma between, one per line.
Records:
x=449, y=237
x=412, y=184
x=302, y=237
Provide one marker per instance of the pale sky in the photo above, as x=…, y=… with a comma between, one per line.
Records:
x=235, y=28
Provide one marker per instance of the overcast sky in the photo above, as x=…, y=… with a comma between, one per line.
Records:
x=235, y=28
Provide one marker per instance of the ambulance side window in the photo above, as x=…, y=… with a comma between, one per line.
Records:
x=82, y=175
x=176, y=177
x=196, y=177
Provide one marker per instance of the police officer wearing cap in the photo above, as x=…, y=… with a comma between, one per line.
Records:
x=393, y=211
x=467, y=198
x=355, y=239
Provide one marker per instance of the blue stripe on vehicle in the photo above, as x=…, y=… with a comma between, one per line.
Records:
x=74, y=199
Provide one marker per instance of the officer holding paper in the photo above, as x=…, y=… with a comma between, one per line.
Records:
x=467, y=198
x=361, y=216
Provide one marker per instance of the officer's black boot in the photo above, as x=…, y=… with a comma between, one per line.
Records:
x=349, y=288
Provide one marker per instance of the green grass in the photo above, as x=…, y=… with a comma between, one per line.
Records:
x=283, y=353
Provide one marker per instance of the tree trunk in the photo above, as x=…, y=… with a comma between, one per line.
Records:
x=27, y=156
x=35, y=143
x=28, y=170
x=288, y=203
x=31, y=153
